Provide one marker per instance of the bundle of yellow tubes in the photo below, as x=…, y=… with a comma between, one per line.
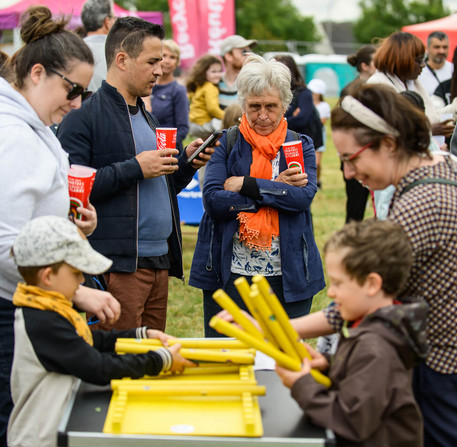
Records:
x=277, y=338
x=205, y=352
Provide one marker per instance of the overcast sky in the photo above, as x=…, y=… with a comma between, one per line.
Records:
x=341, y=10
x=321, y=10
x=6, y=3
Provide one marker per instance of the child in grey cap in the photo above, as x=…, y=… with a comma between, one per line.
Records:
x=54, y=347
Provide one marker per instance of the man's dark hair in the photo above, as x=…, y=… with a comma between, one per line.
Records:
x=436, y=35
x=128, y=34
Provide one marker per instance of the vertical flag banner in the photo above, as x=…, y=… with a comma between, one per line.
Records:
x=199, y=26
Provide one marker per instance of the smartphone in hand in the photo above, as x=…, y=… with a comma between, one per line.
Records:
x=209, y=142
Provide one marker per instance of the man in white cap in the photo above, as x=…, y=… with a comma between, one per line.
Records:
x=234, y=50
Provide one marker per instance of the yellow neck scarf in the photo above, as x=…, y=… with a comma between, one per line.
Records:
x=32, y=296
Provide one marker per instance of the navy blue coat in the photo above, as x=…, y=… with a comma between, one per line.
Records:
x=99, y=134
x=301, y=264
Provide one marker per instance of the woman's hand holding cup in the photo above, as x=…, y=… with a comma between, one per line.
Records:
x=293, y=177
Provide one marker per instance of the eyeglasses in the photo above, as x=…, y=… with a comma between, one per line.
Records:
x=421, y=59
x=350, y=158
x=77, y=90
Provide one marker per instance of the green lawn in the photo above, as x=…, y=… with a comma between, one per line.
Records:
x=185, y=311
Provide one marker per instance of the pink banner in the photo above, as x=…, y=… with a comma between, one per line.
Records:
x=199, y=26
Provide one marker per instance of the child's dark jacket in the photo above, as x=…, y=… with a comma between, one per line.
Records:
x=371, y=402
x=49, y=359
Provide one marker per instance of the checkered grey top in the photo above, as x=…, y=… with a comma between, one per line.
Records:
x=428, y=214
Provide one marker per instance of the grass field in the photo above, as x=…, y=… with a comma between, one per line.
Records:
x=185, y=311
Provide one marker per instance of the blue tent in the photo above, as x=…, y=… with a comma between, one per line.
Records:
x=190, y=203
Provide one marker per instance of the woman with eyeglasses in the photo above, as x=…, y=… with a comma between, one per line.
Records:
x=383, y=139
x=51, y=73
x=399, y=61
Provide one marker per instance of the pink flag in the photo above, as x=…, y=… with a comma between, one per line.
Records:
x=199, y=26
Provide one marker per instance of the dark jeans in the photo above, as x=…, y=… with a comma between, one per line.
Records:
x=356, y=202
x=211, y=308
x=436, y=395
x=6, y=360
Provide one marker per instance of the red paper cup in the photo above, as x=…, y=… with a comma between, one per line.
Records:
x=80, y=181
x=166, y=137
x=293, y=152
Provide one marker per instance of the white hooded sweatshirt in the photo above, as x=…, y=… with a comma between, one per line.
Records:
x=33, y=176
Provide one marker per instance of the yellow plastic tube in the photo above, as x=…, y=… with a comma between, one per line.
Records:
x=281, y=358
x=178, y=389
x=281, y=315
x=273, y=325
x=206, y=343
x=244, y=290
x=267, y=348
x=208, y=355
x=153, y=383
x=228, y=304
x=236, y=356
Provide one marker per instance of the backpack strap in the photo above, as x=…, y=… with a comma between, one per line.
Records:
x=296, y=135
x=444, y=181
x=232, y=136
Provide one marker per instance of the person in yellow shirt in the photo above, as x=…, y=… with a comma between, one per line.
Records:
x=205, y=114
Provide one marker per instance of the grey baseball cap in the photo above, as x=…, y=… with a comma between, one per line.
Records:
x=48, y=240
x=235, y=41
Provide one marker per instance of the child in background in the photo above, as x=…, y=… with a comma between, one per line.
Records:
x=318, y=88
x=54, y=347
x=232, y=116
x=205, y=114
x=370, y=402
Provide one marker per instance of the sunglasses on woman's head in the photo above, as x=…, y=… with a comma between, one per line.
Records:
x=77, y=90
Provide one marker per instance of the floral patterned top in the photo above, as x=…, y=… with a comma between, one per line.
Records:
x=250, y=262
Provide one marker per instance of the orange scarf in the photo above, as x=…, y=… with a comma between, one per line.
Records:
x=258, y=229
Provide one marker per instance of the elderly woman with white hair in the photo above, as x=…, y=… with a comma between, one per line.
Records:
x=257, y=218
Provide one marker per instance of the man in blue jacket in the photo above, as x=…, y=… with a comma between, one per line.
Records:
x=136, y=185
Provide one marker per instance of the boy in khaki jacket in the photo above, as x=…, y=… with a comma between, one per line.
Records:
x=370, y=402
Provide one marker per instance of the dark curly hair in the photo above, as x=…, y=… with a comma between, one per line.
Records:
x=197, y=75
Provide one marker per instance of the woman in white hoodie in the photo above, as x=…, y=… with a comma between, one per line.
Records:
x=51, y=73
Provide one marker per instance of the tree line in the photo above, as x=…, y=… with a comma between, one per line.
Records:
x=281, y=20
